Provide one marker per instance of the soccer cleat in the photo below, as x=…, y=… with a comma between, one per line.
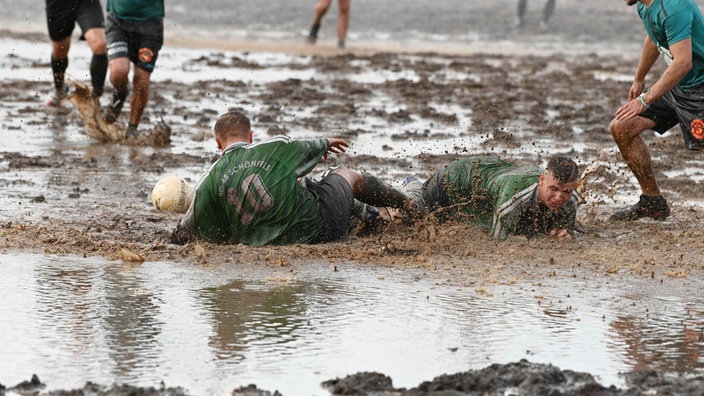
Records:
x=654, y=207
x=54, y=100
x=115, y=107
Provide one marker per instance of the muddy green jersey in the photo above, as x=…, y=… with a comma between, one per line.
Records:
x=503, y=197
x=252, y=196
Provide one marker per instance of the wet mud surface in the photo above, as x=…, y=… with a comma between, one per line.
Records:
x=92, y=198
x=519, y=378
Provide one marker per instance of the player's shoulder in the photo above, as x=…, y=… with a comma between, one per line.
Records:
x=278, y=139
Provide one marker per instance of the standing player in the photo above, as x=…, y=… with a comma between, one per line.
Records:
x=342, y=21
x=675, y=29
x=547, y=13
x=62, y=16
x=135, y=33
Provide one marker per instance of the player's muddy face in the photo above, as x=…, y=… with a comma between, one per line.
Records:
x=552, y=193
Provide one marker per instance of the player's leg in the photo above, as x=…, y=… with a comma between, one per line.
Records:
x=59, y=64
x=371, y=190
x=626, y=134
x=521, y=12
x=151, y=38
x=343, y=22
x=60, y=23
x=140, y=97
x=320, y=9
x=99, y=61
x=119, y=79
x=119, y=63
x=547, y=13
x=92, y=22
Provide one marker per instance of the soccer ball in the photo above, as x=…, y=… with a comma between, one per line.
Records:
x=173, y=194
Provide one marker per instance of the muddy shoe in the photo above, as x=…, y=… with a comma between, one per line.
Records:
x=654, y=207
x=55, y=98
x=115, y=107
x=131, y=133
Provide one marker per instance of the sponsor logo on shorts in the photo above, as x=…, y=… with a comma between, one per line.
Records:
x=146, y=55
x=117, y=49
x=697, y=126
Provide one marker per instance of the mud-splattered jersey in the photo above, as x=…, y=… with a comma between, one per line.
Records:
x=670, y=21
x=251, y=195
x=503, y=197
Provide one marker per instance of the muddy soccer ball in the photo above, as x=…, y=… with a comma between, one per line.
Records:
x=172, y=193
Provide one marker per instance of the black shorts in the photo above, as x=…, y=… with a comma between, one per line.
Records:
x=62, y=16
x=140, y=41
x=676, y=107
x=433, y=191
x=335, y=200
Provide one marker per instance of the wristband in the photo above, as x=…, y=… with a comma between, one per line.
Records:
x=641, y=98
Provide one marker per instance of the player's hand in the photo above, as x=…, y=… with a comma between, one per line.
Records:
x=561, y=234
x=337, y=146
x=629, y=110
x=636, y=89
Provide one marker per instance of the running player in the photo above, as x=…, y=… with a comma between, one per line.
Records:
x=62, y=16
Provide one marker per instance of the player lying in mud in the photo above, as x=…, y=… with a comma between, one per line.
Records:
x=506, y=198
x=252, y=194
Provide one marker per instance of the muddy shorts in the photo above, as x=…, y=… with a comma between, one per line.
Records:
x=140, y=41
x=433, y=191
x=335, y=204
x=62, y=16
x=677, y=107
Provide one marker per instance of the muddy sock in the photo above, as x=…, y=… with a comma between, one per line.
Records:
x=58, y=67
x=314, y=31
x=118, y=99
x=375, y=192
x=98, y=70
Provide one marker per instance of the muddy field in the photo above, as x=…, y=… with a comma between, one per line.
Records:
x=74, y=196
x=95, y=199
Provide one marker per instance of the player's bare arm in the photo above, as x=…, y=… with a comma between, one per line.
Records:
x=680, y=66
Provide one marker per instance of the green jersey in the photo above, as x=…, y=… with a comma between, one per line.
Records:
x=668, y=22
x=251, y=195
x=137, y=10
x=503, y=197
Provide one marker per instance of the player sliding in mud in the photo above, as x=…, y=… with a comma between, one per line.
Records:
x=506, y=198
x=252, y=195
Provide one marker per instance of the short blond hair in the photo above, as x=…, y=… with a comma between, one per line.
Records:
x=233, y=124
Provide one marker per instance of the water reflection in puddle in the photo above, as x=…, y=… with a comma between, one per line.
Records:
x=212, y=329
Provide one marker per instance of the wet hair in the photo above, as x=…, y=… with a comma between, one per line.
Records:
x=233, y=124
x=563, y=169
